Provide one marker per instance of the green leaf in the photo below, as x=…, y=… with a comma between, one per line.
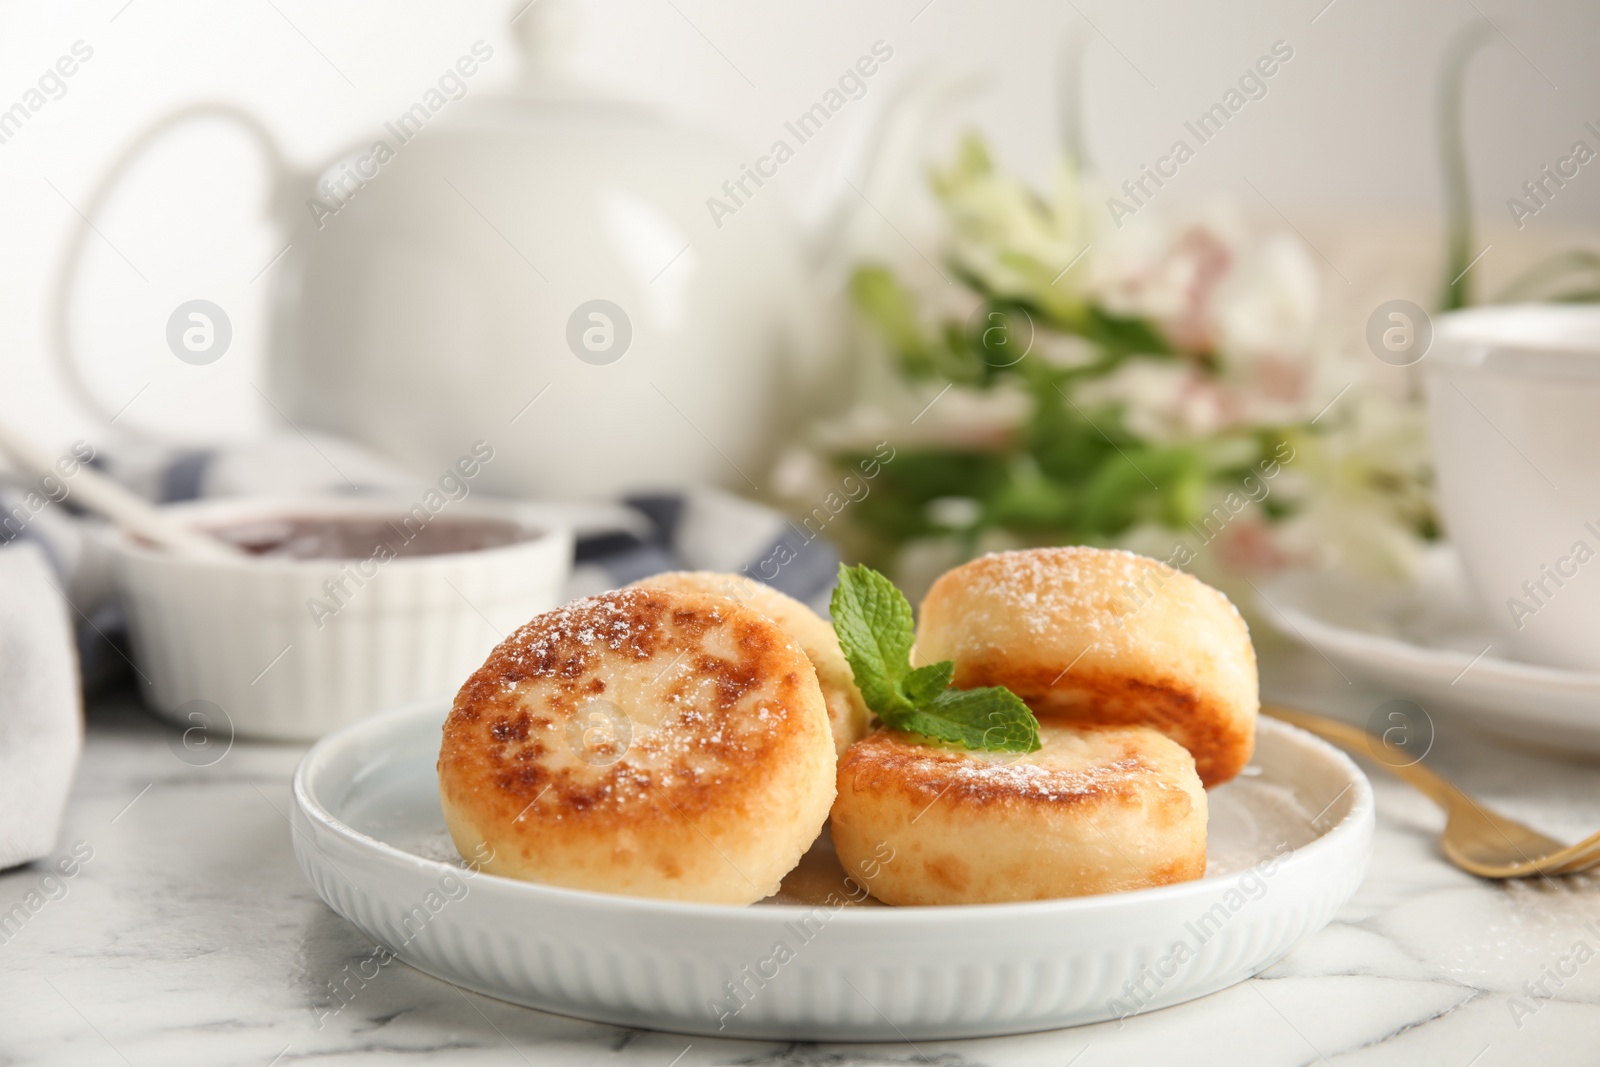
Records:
x=1125, y=334
x=873, y=621
x=926, y=683
x=992, y=719
x=884, y=301
x=1559, y=278
x=935, y=472
x=1031, y=502
x=1449, y=136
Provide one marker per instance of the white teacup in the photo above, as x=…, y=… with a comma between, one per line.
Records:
x=1514, y=405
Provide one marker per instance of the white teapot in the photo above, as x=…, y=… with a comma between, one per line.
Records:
x=550, y=271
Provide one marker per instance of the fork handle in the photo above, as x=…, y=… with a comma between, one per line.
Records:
x=1356, y=740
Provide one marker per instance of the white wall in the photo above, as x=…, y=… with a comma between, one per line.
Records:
x=1342, y=142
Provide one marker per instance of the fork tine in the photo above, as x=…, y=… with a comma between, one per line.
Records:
x=1585, y=855
x=1571, y=859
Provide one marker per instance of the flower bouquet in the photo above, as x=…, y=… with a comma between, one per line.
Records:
x=1061, y=378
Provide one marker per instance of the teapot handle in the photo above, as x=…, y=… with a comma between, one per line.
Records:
x=61, y=330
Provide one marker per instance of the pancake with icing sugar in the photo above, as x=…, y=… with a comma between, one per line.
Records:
x=1094, y=810
x=847, y=712
x=1098, y=636
x=642, y=742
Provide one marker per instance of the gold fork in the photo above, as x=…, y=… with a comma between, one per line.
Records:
x=1475, y=839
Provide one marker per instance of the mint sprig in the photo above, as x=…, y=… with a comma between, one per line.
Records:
x=873, y=620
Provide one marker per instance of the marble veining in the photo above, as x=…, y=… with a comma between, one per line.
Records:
x=189, y=936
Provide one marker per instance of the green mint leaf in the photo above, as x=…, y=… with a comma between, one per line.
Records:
x=926, y=683
x=873, y=621
x=992, y=719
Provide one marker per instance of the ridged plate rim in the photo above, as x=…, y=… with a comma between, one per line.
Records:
x=1359, y=813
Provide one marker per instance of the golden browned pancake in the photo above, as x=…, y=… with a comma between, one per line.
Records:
x=1094, y=635
x=1095, y=810
x=642, y=742
x=847, y=712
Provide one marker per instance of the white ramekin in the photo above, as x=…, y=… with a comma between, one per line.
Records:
x=241, y=635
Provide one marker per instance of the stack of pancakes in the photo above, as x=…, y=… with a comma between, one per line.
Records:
x=688, y=737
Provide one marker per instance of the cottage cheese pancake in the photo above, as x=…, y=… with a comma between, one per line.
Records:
x=1090, y=635
x=1094, y=810
x=643, y=742
x=847, y=712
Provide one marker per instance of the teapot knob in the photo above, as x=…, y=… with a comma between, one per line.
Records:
x=547, y=33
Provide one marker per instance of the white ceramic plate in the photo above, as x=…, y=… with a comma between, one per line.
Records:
x=1431, y=642
x=1289, y=843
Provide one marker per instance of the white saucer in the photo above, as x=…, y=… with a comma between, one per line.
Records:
x=1289, y=843
x=1434, y=644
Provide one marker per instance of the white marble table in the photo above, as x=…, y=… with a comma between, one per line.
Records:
x=190, y=936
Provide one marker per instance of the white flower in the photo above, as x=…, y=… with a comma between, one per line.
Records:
x=1268, y=304
x=1368, y=485
x=1168, y=272
x=1157, y=398
x=1169, y=401
x=1019, y=243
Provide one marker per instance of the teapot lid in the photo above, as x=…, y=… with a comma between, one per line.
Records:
x=547, y=33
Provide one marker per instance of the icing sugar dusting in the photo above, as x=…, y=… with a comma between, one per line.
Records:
x=1093, y=586
x=618, y=697
x=1042, y=782
x=1063, y=769
x=1095, y=592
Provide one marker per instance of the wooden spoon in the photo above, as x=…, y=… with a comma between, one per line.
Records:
x=103, y=496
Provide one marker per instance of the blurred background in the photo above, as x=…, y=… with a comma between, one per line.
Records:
x=1343, y=145
x=913, y=281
